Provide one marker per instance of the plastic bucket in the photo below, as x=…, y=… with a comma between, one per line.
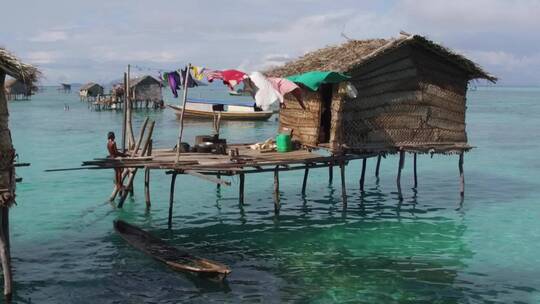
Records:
x=283, y=142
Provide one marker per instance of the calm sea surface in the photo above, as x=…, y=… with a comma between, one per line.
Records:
x=428, y=248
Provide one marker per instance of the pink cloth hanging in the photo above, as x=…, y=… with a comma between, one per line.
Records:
x=284, y=86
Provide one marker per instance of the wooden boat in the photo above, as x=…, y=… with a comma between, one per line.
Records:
x=225, y=115
x=173, y=257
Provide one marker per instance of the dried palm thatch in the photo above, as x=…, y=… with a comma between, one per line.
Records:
x=13, y=67
x=355, y=53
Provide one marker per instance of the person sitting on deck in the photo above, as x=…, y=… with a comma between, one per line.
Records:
x=113, y=152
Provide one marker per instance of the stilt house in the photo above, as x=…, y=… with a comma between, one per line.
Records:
x=90, y=91
x=411, y=96
x=18, y=90
x=145, y=89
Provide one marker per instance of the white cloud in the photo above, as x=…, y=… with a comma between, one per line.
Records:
x=41, y=57
x=50, y=36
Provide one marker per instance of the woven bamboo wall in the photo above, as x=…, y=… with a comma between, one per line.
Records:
x=408, y=96
x=304, y=123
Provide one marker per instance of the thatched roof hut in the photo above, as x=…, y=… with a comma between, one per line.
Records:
x=25, y=75
x=145, y=89
x=18, y=90
x=411, y=95
x=91, y=89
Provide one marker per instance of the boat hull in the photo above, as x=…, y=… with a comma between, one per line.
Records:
x=225, y=115
x=173, y=257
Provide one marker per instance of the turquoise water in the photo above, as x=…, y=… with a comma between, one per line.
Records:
x=429, y=248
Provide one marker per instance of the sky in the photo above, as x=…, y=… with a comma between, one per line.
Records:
x=82, y=41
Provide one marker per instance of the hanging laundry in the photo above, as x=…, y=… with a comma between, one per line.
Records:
x=173, y=78
x=198, y=72
x=284, y=86
x=190, y=82
x=233, y=77
x=212, y=74
x=265, y=94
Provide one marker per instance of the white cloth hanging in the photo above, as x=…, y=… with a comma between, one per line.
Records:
x=265, y=94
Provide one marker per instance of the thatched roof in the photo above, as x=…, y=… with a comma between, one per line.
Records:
x=146, y=79
x=12, y=66
x=354, y=53
x=88, y=86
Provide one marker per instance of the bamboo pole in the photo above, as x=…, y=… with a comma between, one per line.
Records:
x=241, y=190
x=134, y=171
x=171, y=199
x=343, y=188
x=400, y=167
x=378, y=166
x=181, y=127
x=461, y=176
x=363, y=174
x=304, y=182
x=276, y=190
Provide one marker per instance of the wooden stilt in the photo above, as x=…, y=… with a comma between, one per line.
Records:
x=304, y=182
x=330, y=174
x=218, y=175
x=400, y=167
x=171, y=199
x=414, y=169
x=276, y=190
x=363, y=174
x=241, y=190
x=343, y=189
x=147, y=187
x=378, y=166
x=5, y=252
x=461, y=176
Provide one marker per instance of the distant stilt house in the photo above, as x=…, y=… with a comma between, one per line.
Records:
x=90, y=91
x=411, y=97
x=65, y=87
x=145, y=91
x=18, y=90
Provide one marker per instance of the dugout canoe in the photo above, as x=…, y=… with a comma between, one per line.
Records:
x=171, y=256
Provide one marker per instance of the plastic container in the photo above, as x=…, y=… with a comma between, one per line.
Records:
x=283, y=142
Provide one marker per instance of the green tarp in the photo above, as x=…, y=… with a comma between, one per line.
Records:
x=314, y=79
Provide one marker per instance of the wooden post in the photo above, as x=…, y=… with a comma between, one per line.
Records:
x=181, y=127
x=171, y=199
x=276, y=190
x=241, y=190
x=363, y=174
x=7, y=187
x=378, y=166
x=5, y=254
x=461, y=176
x=304, y=182
x=218, y=185
x=124, y=121
x=129, y=124
x=330, y=173
x=400, y=167
x=147, y=187
x=414, y=169
x=343, y=189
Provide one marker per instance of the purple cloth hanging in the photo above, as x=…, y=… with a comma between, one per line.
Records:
x=173, y=78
